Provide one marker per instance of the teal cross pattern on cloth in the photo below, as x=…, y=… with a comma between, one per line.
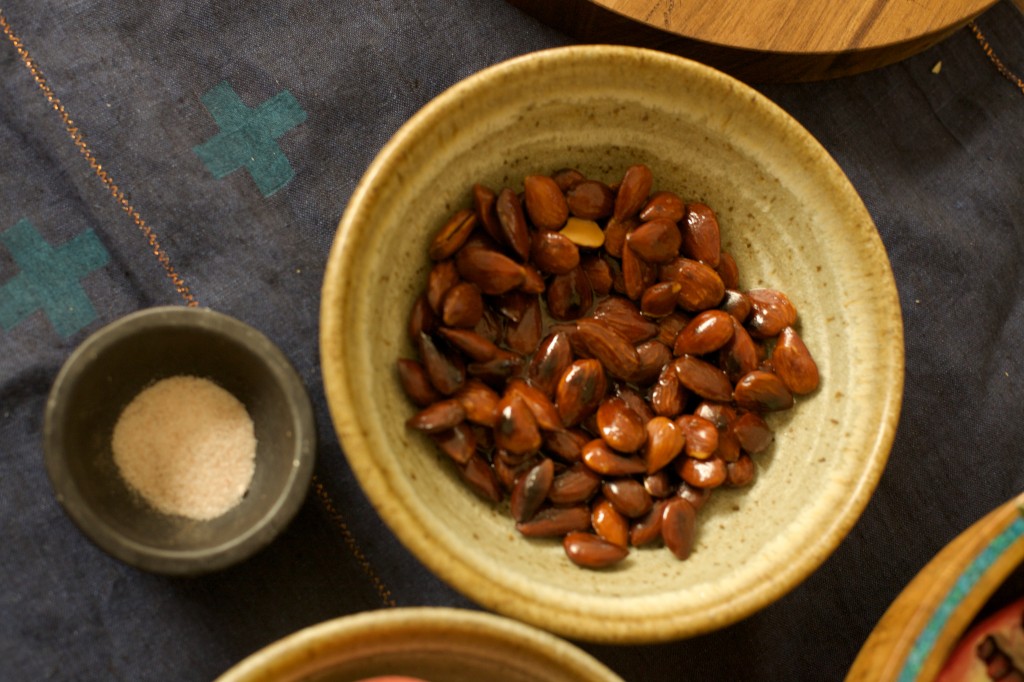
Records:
x=48, y=278
x=248, y=137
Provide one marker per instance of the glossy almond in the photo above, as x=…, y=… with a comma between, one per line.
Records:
x=697, y=497
x=794, y=363
x=463, y=306
x=523, y=335
x=659, y=299
x=659, y=484
x=628, y=496
x=735, y=303
x=701, y=235
x=611, y=348
x=545, y=202
x=590, y=551
x=664, y=442
x=738, y=355
x=556, y=521
x=576, y=484
x=441, y=416
x=452, y=235
x=679, y=527
x=728, y=270
x=707, y=332
x=514, y=230
x=654, y=356
x=495, y=273
x=416, y=383
x=668, y=395
x=544, y=411
x=663, y=205
x=647, y=529
x=702, y=288
x=474, y=346
x=615, y=232
x=701, y=436
x=655, y=241
x=634, y=189
x=553, y=356
x=609, y=523
x=771, y=312
x=591, y=200
x=620, y=426
x=480, y=402
x=447, y=372
x=600, y=458
x=580, y=390
x=481, y=479
x=531, y=490
x=740, y=473
x=637, y=273
x=670, y=326
x=702, y=473
x=752, y=432
x=459, y=442
x=623, y=316
x=498, y=369
x=516, y=430
x=569, y=296
x=484, y=200
x=703, y=378
x=567, y=444
x=598, y=273
x=763, y=391
x=442, y=277
x=635, y=401
x=554, y=253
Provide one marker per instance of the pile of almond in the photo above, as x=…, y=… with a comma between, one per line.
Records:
x=586, y=352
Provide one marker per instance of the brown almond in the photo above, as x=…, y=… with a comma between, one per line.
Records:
x=554, y=253
x=692, y=494
x=463, y=306
x=794, y=363
x=668, y=396
x=544, y=411
x=531, y=490
x=728, y=270
x=659, y=299
x=702, y=288
x=611, y=348
x=495, y=273
x=739, y=354
x=703, y=378
x=736, y=304
x=670, y=326
x=566, y=443
x=569, y=296
x=702, y=238
x=664, y=441
x=481, y=479
x=576, y=484
x=752, y=432
x=654, y=355
x=598, y=273
x=628, y=496
x=497, y=370
x=553, y=356
x=516, y=430
x=567, y=178
x=556, y=521
x=620, y=426
x=452, y=235
x=656, y=241
x=771, y=311
x=635, y=401
x=663, y=205
x=533, y=280
x=623, y=316
x=707, y=332
x=659, y=484
x=702, y=473
x=762, y=391
x=474, y=346
x=514, y=230
x=590, y=200
x=615, y=232
x=580, y=390
x=480, y=402
x=422, y=319
x=647, y=529
x=600, y=458
x=459, y=442
x=700, y=434
x=740, y=473
x=442, y=277
x=633, y=191
x=447, y=372
x=590, y=551
x=523, y=335
x=545, y=203
x=416, y=383
x=608, y=523
x=637, y=274
x=484, y=205
x=441, y=416
x=679, y=527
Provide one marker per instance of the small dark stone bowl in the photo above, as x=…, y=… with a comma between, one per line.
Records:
x=109, y=369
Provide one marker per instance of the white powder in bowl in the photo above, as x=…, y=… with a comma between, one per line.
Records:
x=187, y=447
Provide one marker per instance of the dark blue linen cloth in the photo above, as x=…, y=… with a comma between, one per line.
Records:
x=221, y=142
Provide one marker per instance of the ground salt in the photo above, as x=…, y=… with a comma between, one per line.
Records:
x=187, y=447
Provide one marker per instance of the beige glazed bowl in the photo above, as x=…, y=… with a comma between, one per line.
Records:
x=789, y=217
x=431, y=644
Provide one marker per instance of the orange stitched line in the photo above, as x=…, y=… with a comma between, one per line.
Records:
x=97, y=167
x=353, y=546
x=990, y=53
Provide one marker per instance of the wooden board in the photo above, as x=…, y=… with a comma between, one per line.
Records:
x=768, y=40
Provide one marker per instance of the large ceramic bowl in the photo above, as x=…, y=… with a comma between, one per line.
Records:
x=790, y=218
x=428, y=644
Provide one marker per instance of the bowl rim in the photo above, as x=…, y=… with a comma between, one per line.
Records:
x=170, y=561
x=291, y=655
x=446, y=563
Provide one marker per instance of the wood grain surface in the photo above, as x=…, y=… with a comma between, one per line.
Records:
x=770, y=40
